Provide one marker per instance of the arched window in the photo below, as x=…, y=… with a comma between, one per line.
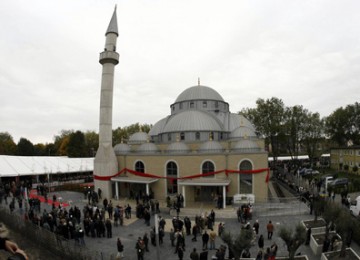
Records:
x=197, y=135
x=171, y=172
x=208, y=167
x=182, y=136
x=139, y=167
x=246, y=179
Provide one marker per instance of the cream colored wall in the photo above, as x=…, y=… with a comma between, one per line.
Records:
x=191, y=165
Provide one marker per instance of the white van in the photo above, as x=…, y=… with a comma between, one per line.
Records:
x=355, y=207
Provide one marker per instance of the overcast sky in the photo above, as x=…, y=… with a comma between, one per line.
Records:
x=303, y=52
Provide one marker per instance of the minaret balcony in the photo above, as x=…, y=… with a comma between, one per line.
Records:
x=109, y=57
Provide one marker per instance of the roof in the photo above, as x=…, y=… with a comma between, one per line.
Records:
x=138, y=138
x=11, y=166
x=243, y=132
x=178, y=147
x=211, y=147
x=112, y=28
x=199, y=93
x=148, y=148
x=121, y=148
x=134, y=179
x=192, y=120
x=205, y=181
x=246, y=146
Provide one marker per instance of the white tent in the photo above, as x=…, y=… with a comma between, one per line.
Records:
x=11, y=166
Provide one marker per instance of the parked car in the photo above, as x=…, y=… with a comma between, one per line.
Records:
x=340, y=182
x=306, y=172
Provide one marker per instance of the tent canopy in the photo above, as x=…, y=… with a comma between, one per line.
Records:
x=11, y=166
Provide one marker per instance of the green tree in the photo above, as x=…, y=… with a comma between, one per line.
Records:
x=343, y=125
x=355, y=169
x=268, y=118
x=40, y=150
x=7, y=144
x=25, y=147
x=123, y=134
x=61, y=142
x=293, y=238
x=294, y=123
x=91, y=142
x=76, y=146
x=238, y=243
x=312, y=134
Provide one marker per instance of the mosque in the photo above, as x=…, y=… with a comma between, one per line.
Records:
x=200, y=150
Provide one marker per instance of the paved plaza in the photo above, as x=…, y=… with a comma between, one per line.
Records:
x=281, y=214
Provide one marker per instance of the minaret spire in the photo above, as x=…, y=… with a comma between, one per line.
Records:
x=105, y=163
x=113, y=28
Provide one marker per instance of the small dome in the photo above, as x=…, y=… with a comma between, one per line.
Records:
x=243, y=132
x=148, y=148
x=192, y=120
x=246, y=146
x=121, y=149
x=178, y=147
x=138, y=138
x=211, y=147
x=199, y=93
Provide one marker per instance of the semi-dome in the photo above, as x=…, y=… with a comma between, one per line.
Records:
x=192, y=120
x=148, y=148
x=238, y=121
x=158, y=127
x=246, y=146
x=242, y=132
x=138, y=138
x=121, y=149
x=199, y=93
x=211, y=147
x=178, y=147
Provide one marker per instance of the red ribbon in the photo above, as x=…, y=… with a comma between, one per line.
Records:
x=149, y=175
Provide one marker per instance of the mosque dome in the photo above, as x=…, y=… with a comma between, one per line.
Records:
x=178, y=147
x=138, y=138
x=199, y=93
x=121, y=149
x=237, y=120
x=211, y=147
x=192, y=120
x=246, y=146
x=243, y=132
x=148, y=148
x=158, y=127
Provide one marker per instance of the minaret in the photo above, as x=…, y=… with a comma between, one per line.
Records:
x=105, y=163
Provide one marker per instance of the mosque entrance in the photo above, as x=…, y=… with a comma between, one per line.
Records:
x=206, y=193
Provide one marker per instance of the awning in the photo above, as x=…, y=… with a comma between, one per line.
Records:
x=204, y=182
x=135, y=179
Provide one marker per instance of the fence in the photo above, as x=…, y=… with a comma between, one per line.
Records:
x=66, y=249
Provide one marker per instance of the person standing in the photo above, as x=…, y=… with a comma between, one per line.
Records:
x=180, y=253
x=261, y=242
x=256, y=226
x=140, y=249
x=194, y=232
x=108, y=226
x=120, y=248
x=146, y=241
x=205, y=240
x=212, y=237
x=194, y=255
x=270, y=229
x=172, y=237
